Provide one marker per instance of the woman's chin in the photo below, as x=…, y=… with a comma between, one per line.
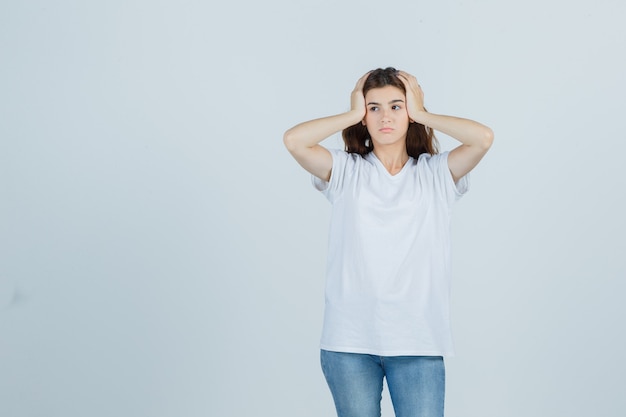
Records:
x=388, y=141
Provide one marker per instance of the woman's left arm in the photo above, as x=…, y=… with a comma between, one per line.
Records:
x=475, y=138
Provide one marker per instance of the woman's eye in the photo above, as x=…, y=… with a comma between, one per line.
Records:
x=396, y=107
x=373, y=108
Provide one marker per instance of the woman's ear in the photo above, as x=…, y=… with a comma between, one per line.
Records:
x=363, y=122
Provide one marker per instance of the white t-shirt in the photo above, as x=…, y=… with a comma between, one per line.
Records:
x=388, y=271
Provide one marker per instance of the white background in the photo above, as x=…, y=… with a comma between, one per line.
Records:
x=161, y=254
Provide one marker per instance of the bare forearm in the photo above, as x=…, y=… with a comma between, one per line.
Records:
x=309, y=134
x=465, y=131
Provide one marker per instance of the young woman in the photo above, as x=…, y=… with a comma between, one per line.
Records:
x=388, y=272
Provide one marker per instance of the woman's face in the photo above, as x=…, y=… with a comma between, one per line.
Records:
x=386, y=118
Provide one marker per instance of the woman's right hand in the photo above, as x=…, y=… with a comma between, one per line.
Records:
x=357, y=99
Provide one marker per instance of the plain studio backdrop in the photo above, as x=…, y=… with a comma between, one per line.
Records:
x=161, y=254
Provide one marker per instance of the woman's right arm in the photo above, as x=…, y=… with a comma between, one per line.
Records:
x=303, y=140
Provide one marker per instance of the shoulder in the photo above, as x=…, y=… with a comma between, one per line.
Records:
x=436, y=169
x=341, y=157
x=346, y=168
x=433, y=162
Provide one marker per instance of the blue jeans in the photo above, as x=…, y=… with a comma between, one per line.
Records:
x=416, y=383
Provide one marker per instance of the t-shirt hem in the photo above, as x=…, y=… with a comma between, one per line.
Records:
x=385, y=352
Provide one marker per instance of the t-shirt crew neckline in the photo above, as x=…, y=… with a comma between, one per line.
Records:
x=382, y=166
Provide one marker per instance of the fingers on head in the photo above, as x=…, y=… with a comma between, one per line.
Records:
x=362, y=80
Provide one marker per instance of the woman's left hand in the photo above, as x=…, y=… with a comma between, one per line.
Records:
x=414, y=96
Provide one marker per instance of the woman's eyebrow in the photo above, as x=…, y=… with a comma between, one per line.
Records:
x=391, y=102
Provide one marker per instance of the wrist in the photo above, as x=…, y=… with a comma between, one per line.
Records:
x=355, y=116
x=420, y=116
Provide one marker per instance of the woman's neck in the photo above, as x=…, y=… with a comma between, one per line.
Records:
x=393, y=158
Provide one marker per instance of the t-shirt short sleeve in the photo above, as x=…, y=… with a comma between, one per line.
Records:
x=444, y=182
x=343, y=163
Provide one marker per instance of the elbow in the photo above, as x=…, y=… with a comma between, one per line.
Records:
x=487, y=139
x=289, y=141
